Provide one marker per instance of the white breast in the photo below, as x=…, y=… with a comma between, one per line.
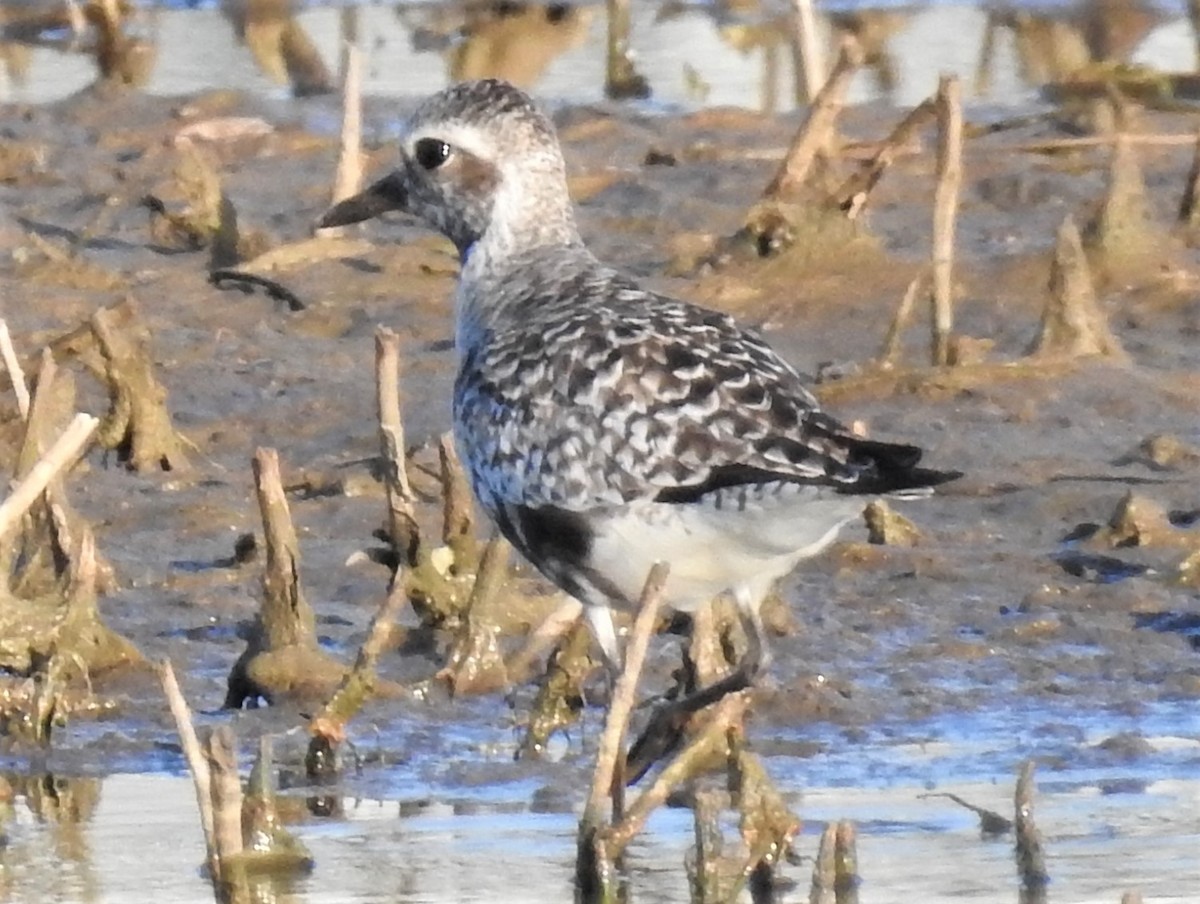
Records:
x=740, y=539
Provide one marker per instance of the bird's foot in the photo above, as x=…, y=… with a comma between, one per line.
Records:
x=665, y=732
x=661, y=738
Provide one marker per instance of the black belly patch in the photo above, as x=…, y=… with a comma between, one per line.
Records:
x=559, y=544
x=552, y=534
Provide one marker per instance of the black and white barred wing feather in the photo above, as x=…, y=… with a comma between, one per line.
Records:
x=652, y=401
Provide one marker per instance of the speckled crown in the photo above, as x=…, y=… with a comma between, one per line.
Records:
x=486, y=103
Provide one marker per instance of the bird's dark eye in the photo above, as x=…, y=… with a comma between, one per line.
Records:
x=431, y=152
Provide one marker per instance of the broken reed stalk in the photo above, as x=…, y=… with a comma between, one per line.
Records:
x=348, y=179
x=621, y=78
x=286, y=617
x=15, y=374
x=193, y=753
x=706, y=875
x=1031, y=857
x=349, y=31
x=402, y=529
x=981, y=83
x=81, y=342
x=387, y=397
x=824, y=877
x=1189, y=206
x=76, y=22
x=560, y=696
x=51, y=397
x=612, y=742
x=59, y=457
x=711, y=745
x=458, y=512
x=271, y=847
x=709, y=644
x=1193, y=15
x=138, y=424
x=1120, y=226
x=1066, y=145
x=474, y=664
x=889, y=352
x=109, y=649
x=945, y=211
x=555, y=625
x=766, y=824
x=49, y=532
x=1116, y=110
x=813, y=63
x=852, y=195
x=846, y=879
x=1073, y=325
x=220, y=753
x=328, y=727
x=490, y=577
x=816, y=132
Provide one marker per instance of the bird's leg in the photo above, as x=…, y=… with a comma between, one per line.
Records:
x=599, y=619
x=664, y=733
x=758, y=654
x=753, y=663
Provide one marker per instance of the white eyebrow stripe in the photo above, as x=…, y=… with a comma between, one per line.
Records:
x=456, y=136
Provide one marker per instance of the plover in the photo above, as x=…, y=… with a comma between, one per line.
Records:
x=604, y=426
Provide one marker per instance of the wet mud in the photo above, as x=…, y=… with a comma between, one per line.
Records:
x=1043, y=605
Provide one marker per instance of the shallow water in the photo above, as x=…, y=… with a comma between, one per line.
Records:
x=692, y=55
x=141, y=841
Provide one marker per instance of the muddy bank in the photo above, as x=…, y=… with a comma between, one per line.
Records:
x=1010, y=622
x=241, y=371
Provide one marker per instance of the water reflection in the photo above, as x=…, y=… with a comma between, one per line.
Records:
x=1052, y=46
x=57, y=858
x=510, y=40
x=773, y=39
x=678, y=53
x=282, y=49
x=137, y=838
x=874, y=30
x=108, y=30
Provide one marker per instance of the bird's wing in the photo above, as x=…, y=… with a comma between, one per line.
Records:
x=650, y=399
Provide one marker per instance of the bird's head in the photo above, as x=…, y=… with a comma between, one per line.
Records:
x=477, y=159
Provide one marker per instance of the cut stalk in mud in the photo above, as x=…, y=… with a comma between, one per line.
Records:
x=348, y=178
x=138, y=425
x=811, y=57
x=282, y=657
x=1073, y=324
x=1189, y=204
x=474, y=663
x=458, y=522
x=1030, y=853
x=612, y=742
x=193, y=754
x=58, y=458
x=403, y=533
x=15, y=374
x=328, y=727
x=945, y=213
x=889, y=352
x=855, y=191
x=817, y=134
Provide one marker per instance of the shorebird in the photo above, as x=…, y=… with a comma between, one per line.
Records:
x=605, y=427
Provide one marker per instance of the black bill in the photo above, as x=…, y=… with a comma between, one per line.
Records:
x=386, y=194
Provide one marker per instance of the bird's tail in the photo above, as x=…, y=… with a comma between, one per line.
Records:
x=892, y=469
